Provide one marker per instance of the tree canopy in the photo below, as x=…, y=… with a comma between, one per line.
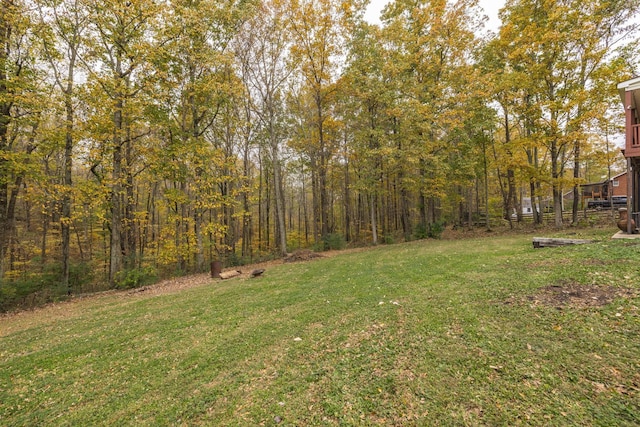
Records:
x=141, y=139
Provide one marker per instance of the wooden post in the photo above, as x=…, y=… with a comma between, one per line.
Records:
x=630, y=179
x=629, y=119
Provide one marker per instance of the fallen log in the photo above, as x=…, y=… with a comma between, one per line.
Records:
x=552, y=242
x=230, y=274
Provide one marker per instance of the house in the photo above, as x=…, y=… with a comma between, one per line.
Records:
x=600, y=193
x=527, y=207
x=603, y=190
x=630, y=95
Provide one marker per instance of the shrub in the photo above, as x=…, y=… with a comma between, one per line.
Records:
x=136, y=277
x=7, y=295
x=436, y=229
x=34, y=289
x=334, y=241
x=234, y=260
x=420, y=232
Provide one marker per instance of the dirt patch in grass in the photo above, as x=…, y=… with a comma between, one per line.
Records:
x=570, y=294
x=171, y=285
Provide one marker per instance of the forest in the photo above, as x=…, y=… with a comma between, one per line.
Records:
x=142, y=139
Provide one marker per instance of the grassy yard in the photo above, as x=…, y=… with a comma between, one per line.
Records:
x=484, y=331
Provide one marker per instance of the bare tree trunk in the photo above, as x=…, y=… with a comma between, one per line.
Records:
x=279, y=196
x=65, y=220
x=115, y=245
x=374, y=227
x=557, y=190
x=347, y=203
x=6, y=211
x=576, y=187
x=197, y=230
x=246, y=214
x=130, y=224
x=260, y=181
x=322, y=172
x=303, y=200
x=267, y=214
x=315, y=201
x=45, y=230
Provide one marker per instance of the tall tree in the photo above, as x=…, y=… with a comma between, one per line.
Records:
x=562, y=46
x=66, y=19
x=266, y=67
x=366, y=98
x=19, y=110
x=315, y=26
x=505, y=83
x=432, y=43
x=122, y=40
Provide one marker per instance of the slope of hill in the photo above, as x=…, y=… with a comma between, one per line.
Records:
x=468, y=332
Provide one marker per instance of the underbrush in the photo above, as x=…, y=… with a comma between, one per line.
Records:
x=30, y=290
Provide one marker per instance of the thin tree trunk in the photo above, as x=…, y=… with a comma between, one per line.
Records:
x=115, y=245
x=347, y=202
x=557, y=190
x=43, y=242
x=372, y=213
x=246, y=214
x=130, y=226
x=65, y=220
x=279, y=196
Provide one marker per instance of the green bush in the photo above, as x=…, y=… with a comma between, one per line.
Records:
x=136, y=277
x=420, y=232
x=334, y=241
x=235, y=260
x=435, y=230
x=34, y=289
x=7, y=295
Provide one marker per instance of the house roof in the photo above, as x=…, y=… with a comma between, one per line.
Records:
x=632, y=85
x=604, y=181
x=619, y=175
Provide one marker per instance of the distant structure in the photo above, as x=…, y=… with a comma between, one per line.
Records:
x=630, y=95
x=604, y=190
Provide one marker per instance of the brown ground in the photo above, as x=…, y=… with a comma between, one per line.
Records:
x=570, y=294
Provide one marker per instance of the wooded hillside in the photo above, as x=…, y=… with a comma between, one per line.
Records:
x=146, y=138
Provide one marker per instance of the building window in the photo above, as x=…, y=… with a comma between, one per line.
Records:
x=616, y=183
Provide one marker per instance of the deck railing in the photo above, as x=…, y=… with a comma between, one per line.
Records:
x=635, y=136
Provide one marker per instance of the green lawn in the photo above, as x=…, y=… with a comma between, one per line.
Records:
x=487, y=331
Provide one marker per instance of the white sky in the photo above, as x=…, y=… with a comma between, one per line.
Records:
x=490, y=8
